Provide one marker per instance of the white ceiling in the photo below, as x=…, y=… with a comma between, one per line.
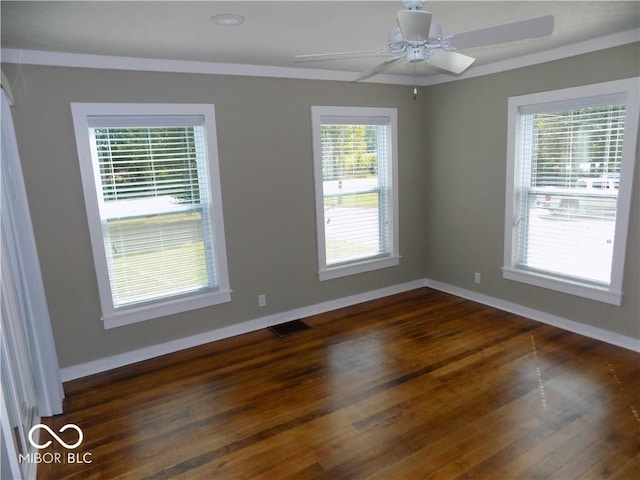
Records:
x=274, y=32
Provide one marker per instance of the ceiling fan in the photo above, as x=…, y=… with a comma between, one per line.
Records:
x=418, y=38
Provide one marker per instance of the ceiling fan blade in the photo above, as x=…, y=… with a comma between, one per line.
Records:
x=507, y=32
x=378, y=68
x=337, y=55
x=453, y=62
x=414, y=25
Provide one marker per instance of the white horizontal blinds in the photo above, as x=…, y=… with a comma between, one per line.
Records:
x=573, y=144
x=155, y=207
x=355, y=164
x=569, y=182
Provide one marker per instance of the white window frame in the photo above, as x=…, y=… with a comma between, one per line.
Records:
x=622, y=91
x=112, y=316
x=358, y=116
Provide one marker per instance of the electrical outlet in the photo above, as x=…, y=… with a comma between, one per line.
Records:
x=477, y=277
x=262, y=300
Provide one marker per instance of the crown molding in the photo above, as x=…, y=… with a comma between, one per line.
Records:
x=106, y=62
x=77, y=60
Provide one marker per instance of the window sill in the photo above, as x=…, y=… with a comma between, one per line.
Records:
x=140, y=313
x=572, y=287
x=359, y=267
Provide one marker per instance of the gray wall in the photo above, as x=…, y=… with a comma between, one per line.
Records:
x=264, y=136
x=466, y=161
x=452, y=147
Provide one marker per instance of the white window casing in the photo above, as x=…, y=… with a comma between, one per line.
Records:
x=355, y=172
x=151, y=185
x=570, y=167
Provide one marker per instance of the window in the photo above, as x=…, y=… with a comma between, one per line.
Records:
x=152, y=193
x=355, y=168
x=570, y=164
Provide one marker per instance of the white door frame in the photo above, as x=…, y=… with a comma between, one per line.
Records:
x=30, y=368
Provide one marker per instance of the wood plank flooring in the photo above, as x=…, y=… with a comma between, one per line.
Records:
x=420, y=385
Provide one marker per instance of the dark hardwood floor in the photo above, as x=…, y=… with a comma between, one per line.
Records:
x=414, y=386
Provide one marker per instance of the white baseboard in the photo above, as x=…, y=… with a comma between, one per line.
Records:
x=613, y=338
x=127, y=358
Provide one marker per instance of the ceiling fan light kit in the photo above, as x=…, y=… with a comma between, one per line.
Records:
x=416, y=54
x=418, y=38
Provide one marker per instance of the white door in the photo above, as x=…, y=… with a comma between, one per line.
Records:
x=20, y=410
